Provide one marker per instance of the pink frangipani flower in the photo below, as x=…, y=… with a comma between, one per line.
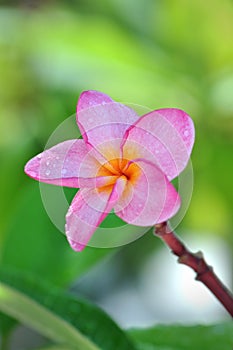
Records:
x=123, y=162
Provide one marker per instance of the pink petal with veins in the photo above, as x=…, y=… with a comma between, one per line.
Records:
x=150, y=200
x=164, y=136
x=67, y=164
x=88, y=209
x=103, y=122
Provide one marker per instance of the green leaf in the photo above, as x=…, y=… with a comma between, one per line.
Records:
x=177, y=337
x=41, y=248
x=58, y=315
x=6, y=324
x=54, y=347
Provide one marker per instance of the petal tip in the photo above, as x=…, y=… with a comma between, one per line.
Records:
x=90, y=98
x=31, y=168
x=77, y=247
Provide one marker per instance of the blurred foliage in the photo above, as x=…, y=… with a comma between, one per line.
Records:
x=182, y=338
x=155, y=53
x=77, y=324
x=40, y=248
x=59, y=315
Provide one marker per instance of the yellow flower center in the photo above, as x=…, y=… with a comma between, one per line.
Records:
x=119, y=168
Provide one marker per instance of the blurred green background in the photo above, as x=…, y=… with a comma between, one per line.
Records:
x=153, y=53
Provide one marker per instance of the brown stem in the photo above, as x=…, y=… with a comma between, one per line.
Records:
x=205, y=273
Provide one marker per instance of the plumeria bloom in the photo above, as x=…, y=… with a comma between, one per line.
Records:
x=123, y=162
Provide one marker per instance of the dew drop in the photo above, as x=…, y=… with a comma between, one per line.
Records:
x=186, y=133
x=64, y=171
x=39, y=156
x=157, y=151
x=57, y=157
x=47, y=163
x=47, y=172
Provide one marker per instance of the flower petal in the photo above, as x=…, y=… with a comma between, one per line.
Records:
x=164, y=136
x=88, y=209
x=103, y=122
x=92, y=98
x=69, y=163
x=150, y=200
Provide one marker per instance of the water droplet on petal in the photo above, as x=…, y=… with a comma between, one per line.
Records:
x=64, y=171
x=137, y=213
x=39, y=156
x=47, y=172
x=157, y=151
x=186, y=133
x=57, y=157
x=47, y=163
